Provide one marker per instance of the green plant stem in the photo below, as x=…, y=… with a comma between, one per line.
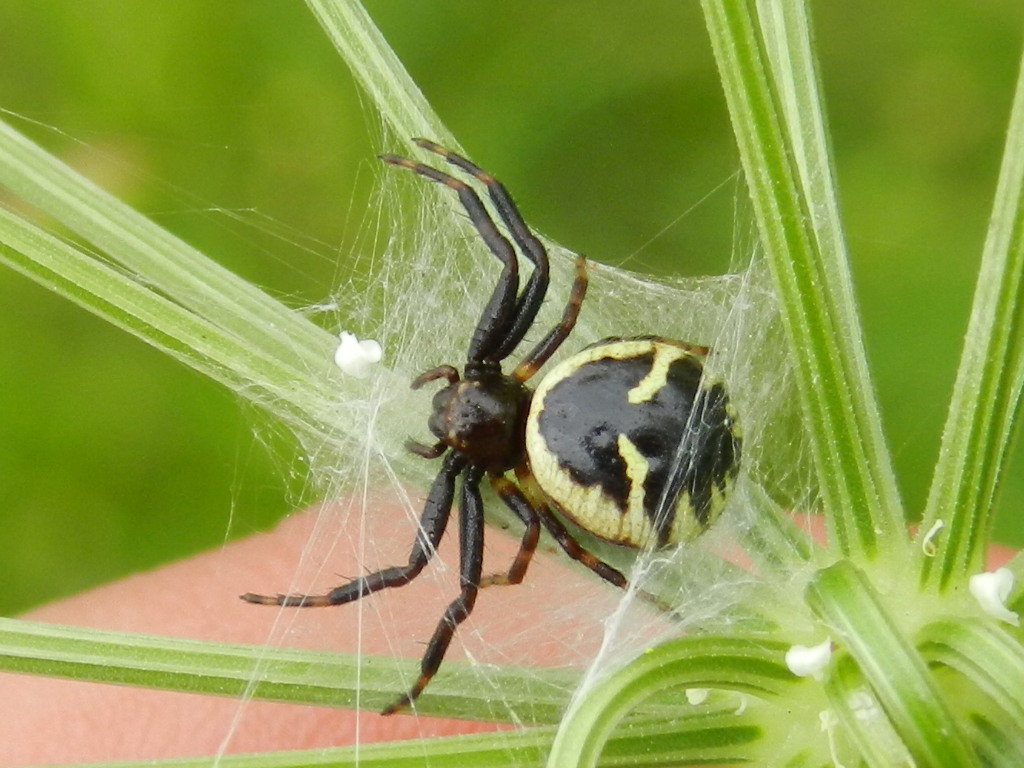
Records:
x=857, y=485
x=166, y=325
x=858, y=711
x=987, y=655
x=983, y=412
x=647, y=743
x=166, y=262
x=274, y=674
x=167, y=293
x=731, y=663
x=379, y=72
x=1016, y=598
x=848, y=604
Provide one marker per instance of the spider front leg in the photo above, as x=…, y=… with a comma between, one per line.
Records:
x=547, y=346
x=500, y=308
x=436, y=512
x=532, y=296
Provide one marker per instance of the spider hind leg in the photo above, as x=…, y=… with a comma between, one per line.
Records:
x=518, y=503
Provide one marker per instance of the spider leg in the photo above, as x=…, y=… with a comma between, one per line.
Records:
x=500, y=308
x=553, y=340
x=471, y=555
x=449, y=374
x=518, y=503
x=446, y=372
x=426, y=451
x=562, y=536
x=433, y=522
x=532, y=296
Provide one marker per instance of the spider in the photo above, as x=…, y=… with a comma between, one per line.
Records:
x=627, y=439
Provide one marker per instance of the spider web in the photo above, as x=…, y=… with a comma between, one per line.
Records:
x=422, y=302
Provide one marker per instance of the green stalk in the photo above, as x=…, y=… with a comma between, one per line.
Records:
x=509, y=749
x=167, y=293
x=123, y=301
x=847, y=603
x=646, y=744
x=988, y=655
x=986, y=397
x=274, y=674
x=858, y=711
x=380, y=73
x=751, y=666
x=160, y=258
x=1015, y=602
x=811, y=274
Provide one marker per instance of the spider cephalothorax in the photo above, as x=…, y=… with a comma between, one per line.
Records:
x=627, y=438
x=482, y=416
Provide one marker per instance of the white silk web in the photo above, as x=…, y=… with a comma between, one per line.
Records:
x=428, y=286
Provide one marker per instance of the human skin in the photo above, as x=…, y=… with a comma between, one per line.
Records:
x=50, y=721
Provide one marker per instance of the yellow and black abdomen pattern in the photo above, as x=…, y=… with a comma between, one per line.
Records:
x=632, y=442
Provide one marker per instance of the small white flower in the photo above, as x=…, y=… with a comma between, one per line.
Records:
x=355, y=357
x=804, y=661
x=991, y=591
x=697, y=695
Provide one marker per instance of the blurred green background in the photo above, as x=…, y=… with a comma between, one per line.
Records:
x=235, y=125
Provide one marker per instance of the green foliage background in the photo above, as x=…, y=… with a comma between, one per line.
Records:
x=235, y=125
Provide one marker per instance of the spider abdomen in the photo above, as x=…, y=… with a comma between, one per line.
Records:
x=632, y=442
